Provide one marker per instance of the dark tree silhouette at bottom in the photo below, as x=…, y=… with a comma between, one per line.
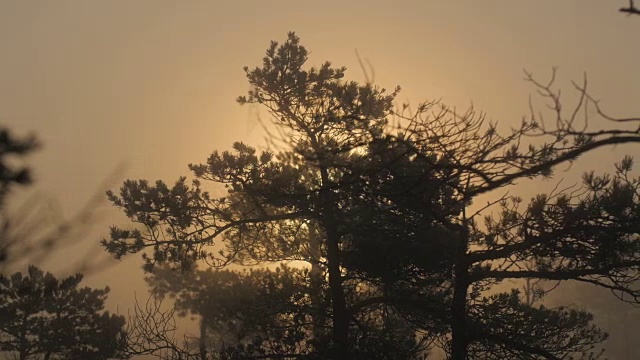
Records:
x=42, y=317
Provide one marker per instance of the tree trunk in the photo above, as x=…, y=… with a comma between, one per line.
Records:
x=459, y=330
x=340, y=316
x=22, y=340
x=317, y=279
x=459, y=333
x=338, y=303
x=203, y=339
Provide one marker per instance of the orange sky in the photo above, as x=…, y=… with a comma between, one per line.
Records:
x=154, y=83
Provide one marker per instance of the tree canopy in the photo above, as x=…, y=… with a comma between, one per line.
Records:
x=42, y=317
x=378, y=203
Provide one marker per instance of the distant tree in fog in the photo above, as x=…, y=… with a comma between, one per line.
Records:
x=378, y=202
x=621, y=321
x=42, y=317
x=264, y=312
x=238, y=307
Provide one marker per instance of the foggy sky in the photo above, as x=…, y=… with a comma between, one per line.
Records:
x=153, y=83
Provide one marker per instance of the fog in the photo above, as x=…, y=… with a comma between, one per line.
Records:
x=150, y=86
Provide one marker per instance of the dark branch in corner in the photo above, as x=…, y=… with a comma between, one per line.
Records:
x=632, y=9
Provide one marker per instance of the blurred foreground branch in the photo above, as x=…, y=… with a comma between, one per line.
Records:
x=35, y=231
